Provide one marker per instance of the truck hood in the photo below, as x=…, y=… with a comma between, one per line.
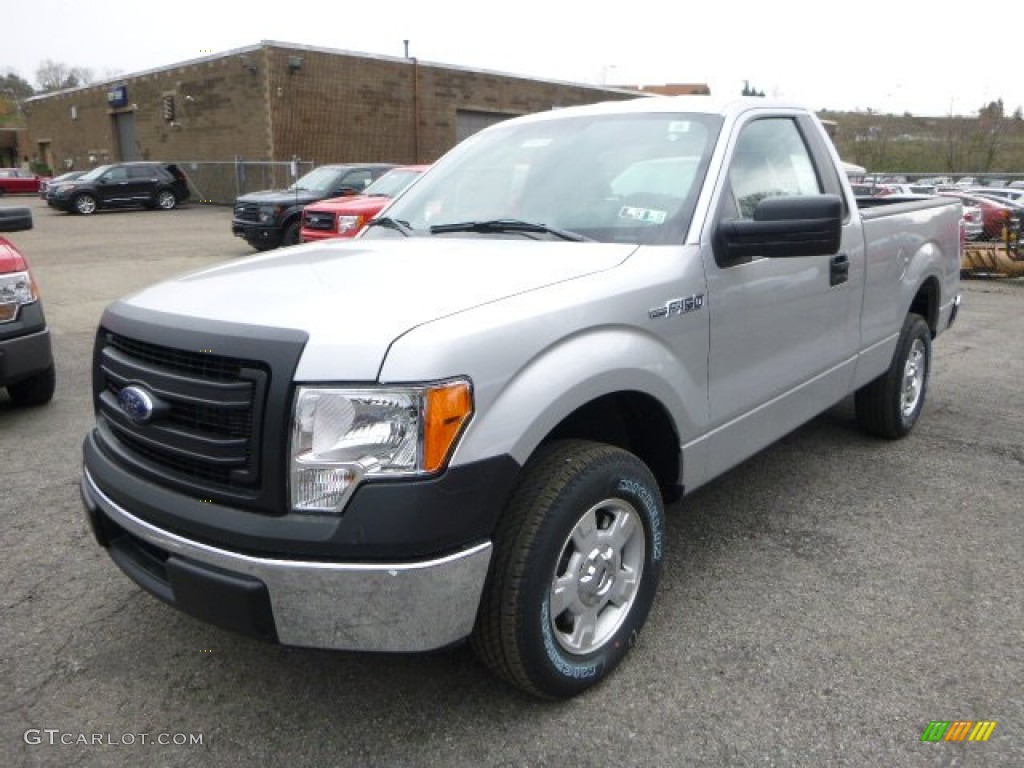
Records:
x=351, y=206
x=354, y=298
x=280, y=197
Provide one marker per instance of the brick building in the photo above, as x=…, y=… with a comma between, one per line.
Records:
x=278, y=101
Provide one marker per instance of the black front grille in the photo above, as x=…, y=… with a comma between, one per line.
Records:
x=247, y=211
x=206, y=422
x=319, y=221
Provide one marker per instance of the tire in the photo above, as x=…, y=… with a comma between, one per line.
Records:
x=583, y=530
x=84, y=204
x=291, y=233
x=35, y=390
x=890, y=405
x=165, y=200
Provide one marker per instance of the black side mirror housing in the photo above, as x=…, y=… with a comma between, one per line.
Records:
x=799, y=225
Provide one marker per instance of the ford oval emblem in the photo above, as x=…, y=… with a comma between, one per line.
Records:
x=136, y=403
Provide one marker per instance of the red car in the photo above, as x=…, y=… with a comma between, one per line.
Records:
x=15, y=181
x=995, y=215
x=346, y=216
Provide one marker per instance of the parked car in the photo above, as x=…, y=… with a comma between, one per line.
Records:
x=995, y=214
x=1005, y=193
x=273, y=217
x=26, y=355
x=16, y=181
x=346, y=216
x=145, y=184
x=46, y=185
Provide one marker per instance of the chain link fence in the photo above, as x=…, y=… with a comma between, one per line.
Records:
x=220, y=183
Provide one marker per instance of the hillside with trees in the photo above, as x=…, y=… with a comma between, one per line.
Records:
x=989, y=143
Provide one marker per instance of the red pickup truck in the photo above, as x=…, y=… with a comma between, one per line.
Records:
x=346, y=216
x=26, y=354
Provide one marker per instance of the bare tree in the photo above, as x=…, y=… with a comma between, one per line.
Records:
x=57, y=75
x=992, y=124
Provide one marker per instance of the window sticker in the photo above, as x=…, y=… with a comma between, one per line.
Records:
x=644, y=215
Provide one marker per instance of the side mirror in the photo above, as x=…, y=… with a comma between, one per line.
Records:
x=15, y=219
x=805, y=225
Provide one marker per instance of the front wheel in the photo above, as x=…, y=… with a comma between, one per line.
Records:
x=890, y=405
x=576, y=565
x=291, y=233
x=84, y=204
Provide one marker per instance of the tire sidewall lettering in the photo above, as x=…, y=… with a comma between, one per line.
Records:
x=651, y=512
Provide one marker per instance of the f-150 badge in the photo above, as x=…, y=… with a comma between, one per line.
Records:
x=678, y=307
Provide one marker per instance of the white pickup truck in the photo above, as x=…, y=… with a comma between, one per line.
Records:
x=466, y=423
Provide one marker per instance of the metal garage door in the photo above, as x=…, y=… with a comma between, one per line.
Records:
x=468, y=122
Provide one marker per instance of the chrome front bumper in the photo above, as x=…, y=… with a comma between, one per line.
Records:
x=401, y=607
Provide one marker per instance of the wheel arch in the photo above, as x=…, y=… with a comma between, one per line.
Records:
x=614, y=386
x=634, y=421
x=927, y=301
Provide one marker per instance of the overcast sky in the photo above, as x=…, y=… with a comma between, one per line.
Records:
x=914, y=56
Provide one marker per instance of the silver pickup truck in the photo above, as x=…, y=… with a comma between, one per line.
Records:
x=466, y=423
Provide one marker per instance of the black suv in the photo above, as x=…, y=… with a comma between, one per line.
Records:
x=121, y=185
x=271, y=218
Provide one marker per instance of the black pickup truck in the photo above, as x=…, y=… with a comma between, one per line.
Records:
x=273, y=217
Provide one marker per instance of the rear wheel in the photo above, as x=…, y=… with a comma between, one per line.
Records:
x=84, y=204
x=576, y=564
x=165, y=200
x=890, y=405
x=35, y=390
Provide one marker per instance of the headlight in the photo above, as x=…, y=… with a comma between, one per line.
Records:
x=65, y=188
x=268, y=213
x=16, y=289
x=349, y=223
x=340, y=436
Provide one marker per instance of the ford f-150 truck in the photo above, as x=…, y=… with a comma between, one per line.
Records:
x=467, y=421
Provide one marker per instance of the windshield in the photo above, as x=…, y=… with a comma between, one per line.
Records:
x=321, y=180
x=392, y=182
x=95, y=173
x=611, y=178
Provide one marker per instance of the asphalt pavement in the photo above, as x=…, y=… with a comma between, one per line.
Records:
x=821, y=604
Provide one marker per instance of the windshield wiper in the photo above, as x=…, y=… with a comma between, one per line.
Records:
x=396, y=224
x=508, y=225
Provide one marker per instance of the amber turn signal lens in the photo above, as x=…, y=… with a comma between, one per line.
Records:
x=448, y=408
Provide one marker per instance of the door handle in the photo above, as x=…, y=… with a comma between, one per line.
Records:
x=839, y=269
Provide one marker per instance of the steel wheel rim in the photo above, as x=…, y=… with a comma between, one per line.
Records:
x=85, y=205
x=913, y=379
x=597, y=576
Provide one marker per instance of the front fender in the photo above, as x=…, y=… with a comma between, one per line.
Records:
x=575, y=371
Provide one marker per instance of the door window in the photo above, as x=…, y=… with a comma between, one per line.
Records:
x=771, y=159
